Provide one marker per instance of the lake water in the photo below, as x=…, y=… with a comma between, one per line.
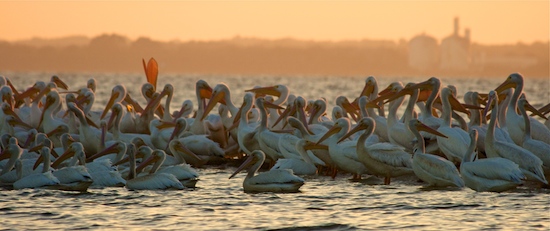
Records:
x=324, y=203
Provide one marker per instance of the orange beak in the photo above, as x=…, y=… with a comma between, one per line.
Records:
x=151, y=71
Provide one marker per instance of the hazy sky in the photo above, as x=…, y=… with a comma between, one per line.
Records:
x=490, y=21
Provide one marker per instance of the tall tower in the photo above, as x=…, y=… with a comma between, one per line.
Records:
x=456, y=27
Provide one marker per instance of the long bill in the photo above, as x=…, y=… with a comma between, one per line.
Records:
x=245, y=164
x=333, y=130
x=357, y=128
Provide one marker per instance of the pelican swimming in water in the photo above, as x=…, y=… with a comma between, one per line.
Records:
x=514, y=121
x=182, y=171
x=37, y=180
x=153, y=180
x=529, y=164
x=382, y=159
x=489, y=174
x=430, y=168
x=276, y=180
x=537, y=147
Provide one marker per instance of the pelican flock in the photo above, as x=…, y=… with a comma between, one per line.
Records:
x=275, y=132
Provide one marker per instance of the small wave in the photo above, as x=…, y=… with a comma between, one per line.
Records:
x=330, y=226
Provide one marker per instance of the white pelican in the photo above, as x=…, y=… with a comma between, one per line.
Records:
x=347, y=107
x=343, y=154
x=489, y=174
x=301, y=164
x=268, y=140
x=247, y=132
x=185, y=111
x=116, y=120
x=432, y=169
x=303, y=132
x=47, y=121
x=74, y=177
x=537, y=147
x=280, y=91
x=397, y=131
x=371, y=92
x=102, y=171
x=183, y=171
x=151, y=181
x=530, y=165
x=203, y=147
x=37, y=180
x=455, y=143
x=514, y=122
x=12, y=152
x=277, y=180
x=167, y=116
x=202, y=92
x=317, y=111
x=432, y=85
x=117, y=96
x=382, y=159
x=184, y=155
x=473, y=98
x=221, y=93
x=33, y=112
x=162, y=132
x=89, y=136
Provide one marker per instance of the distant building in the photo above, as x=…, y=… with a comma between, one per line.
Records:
x=455, y=50
x=423, y=52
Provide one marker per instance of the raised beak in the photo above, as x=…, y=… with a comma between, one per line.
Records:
x=152, y=159
x=151, y=71
x=367, y=90
x=333, y=130
x=422, y=127
x=357, y=128
x=351, y=109
x=28, y=93
x=272, y=90
x=288, y=111
x=66, y=155
x=108, y=150
x=457, y=106
x=245, y=164
x=505, y=85
x=216, y=97
x=59, y=82
x=391, y=97
x=109, y=105
x=153, y=104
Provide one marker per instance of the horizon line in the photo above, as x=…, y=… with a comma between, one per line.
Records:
x=134, y=38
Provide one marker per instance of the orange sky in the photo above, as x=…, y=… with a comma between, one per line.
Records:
x=490, y=21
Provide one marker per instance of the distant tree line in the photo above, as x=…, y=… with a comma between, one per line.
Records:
x=247, y=56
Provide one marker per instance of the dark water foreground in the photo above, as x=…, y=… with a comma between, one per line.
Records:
x=323, y=204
